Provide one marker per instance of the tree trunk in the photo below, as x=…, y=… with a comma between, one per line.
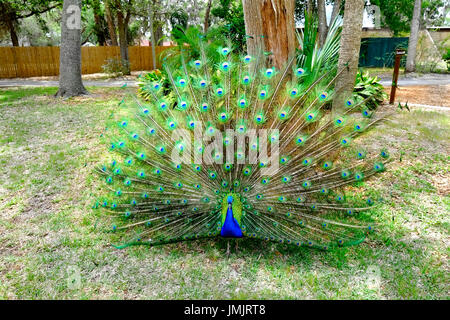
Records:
x=158, y=32
x=413, y=37
x=70, y=83
x=336, y=9
x=99, y=31
x=99, y=19
x=111, y=25
x=152, y=34
x=9, y=15
x=270, y=26
x=323, y=28
x=12, y=32
x=208, y=11
x=123, y=41
x=158, y=21
x=349, y=52
x=253, y=26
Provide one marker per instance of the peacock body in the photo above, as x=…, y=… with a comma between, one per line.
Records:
x=237, y=148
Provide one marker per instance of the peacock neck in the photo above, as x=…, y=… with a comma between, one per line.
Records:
x=231, y=227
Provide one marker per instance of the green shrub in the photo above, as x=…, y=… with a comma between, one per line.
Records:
x=446, y=58
x=116, y=67
x=146, y=81
x=366, y=86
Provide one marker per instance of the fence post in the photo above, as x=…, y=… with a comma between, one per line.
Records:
x=398, y=56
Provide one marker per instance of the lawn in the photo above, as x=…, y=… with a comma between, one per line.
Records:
x=51, y=248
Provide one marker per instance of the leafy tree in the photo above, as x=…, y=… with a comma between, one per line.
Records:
x=232, y=14
x=179, y=21
x=96, y=26
x=42, y=30
x=432, y=15
x=13, y=11
x=397, y=14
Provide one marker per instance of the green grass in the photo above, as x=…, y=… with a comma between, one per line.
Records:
x=49, y=237
x=382, y=72
x=388, y=72
x=14, y=94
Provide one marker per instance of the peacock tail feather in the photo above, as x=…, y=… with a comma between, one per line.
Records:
x=235, y=148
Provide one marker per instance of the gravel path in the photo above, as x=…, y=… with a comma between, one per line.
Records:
x=415, y=79
x=4, y=83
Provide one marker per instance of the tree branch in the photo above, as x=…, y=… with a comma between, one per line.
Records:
x=32, y=13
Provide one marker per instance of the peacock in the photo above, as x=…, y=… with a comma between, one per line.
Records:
x=222, y=144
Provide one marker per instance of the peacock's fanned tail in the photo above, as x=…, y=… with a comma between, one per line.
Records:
x=239, y=139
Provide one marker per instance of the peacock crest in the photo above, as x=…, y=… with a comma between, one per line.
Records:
x=226, y=145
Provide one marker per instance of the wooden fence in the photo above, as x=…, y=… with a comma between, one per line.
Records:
x=44, y=61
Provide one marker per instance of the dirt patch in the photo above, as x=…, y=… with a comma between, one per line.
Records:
x=441, y=182
x=438, y=95
x=38, y=204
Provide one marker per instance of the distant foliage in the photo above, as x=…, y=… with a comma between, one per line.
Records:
x=397, y=14
x=232, y=13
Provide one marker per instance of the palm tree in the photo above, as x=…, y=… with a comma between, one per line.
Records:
x=413, y=37
x=323, y=28
x=349, y=51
